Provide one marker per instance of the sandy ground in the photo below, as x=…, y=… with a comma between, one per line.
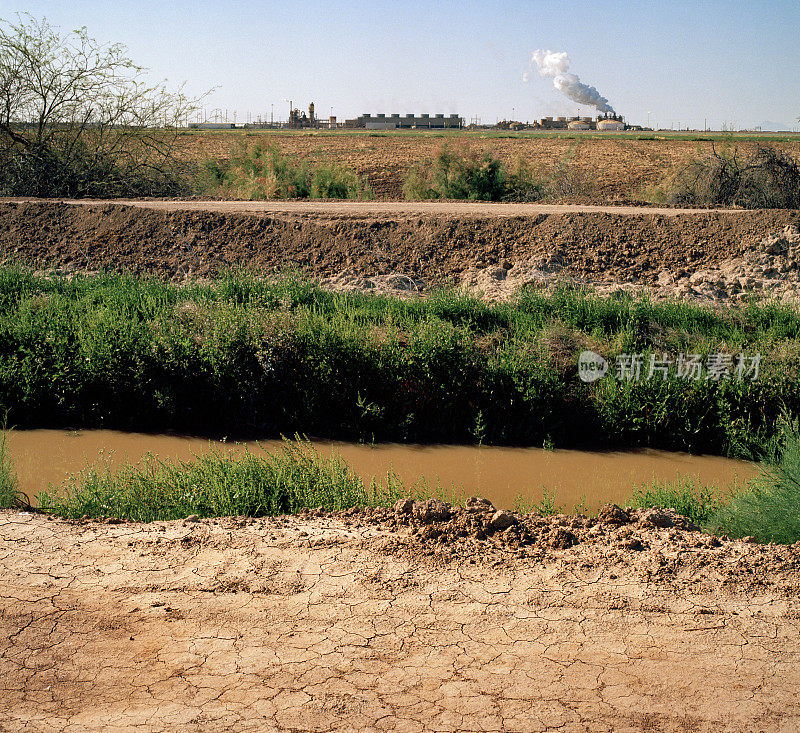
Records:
x=330, y=623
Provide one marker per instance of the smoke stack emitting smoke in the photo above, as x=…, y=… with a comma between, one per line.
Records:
x=555, y=66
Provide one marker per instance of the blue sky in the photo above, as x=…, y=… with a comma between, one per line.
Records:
x=733, y=63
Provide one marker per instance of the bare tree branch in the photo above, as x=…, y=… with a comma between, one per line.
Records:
x=78, y=117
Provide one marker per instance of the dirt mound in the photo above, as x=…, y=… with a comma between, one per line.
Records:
x=185, y=244
x=337, y=623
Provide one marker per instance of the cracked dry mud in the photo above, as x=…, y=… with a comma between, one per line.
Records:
x=340, y=623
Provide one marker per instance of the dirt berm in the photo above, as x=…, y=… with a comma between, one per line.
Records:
x=183, y=243
x=421, y=618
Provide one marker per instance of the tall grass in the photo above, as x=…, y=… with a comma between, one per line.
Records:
x=292, y=478
x=461, y=175
x=259, y=172
x=456, y=173
x=9, y=491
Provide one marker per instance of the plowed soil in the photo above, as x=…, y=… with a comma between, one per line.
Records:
x=372, y=622
x=176, y=241
x=611, y=169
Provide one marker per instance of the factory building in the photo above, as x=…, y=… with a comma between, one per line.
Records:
x=407, y=122
x=603, y=122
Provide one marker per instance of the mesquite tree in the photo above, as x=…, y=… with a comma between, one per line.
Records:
x=78, y=118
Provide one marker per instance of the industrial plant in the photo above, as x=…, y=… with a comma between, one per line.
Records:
x=300, y=119
x=407, y=122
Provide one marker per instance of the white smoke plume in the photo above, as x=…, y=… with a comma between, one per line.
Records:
x=555, y=66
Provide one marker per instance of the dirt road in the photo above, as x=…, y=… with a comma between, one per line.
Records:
x=455, y=209
x=330, y=623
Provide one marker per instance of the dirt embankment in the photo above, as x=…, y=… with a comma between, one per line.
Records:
x=413, y=619
x=176, y=244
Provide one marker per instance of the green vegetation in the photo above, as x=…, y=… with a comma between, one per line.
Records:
x=9, y=491
x=80, y=119
x=242, y=356
x=768, y=509
x=258, y=172
x=765, y=179
x=218, y=485
x=687, y=497
x=464, y=175
x=452, y=175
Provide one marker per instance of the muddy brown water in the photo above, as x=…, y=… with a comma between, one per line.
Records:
x=45, y=457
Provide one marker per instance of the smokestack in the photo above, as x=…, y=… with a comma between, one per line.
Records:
x=556, y=66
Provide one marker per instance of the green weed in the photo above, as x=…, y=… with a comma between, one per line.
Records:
x=294, y=478
x=686, y=497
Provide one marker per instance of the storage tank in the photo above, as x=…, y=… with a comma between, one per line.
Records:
x=610, y=125
x=578, y=125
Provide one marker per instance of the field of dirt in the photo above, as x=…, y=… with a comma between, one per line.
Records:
x=180, y=241
x=614, y=170
x=419, y=618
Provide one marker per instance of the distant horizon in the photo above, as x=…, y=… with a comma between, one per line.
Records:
x=678, y=64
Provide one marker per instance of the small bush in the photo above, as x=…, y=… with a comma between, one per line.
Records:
x=214, y=485
x=769, y=509
x=451, y=175
x=765, y=179
x=260, y=172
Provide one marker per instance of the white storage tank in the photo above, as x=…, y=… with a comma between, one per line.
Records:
x=610, y=125
x=578, y=125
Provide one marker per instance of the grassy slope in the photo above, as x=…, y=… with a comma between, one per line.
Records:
x=241, y=356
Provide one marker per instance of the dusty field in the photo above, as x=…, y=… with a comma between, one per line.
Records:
x=390, y=621
x=616, y=170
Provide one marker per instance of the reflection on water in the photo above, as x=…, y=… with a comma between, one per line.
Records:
x=44, y=457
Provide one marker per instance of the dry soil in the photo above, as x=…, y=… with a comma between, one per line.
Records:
x=393, y=621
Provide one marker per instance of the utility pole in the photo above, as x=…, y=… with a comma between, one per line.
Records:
x=271, y=114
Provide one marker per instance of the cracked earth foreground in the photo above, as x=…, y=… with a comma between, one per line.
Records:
x=330, y=623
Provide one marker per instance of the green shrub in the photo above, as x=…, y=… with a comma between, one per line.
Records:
x=765, y=179
x=686, y=497
x=293, y=478
x=451, y=175
x=769, y=509
x=258, y=172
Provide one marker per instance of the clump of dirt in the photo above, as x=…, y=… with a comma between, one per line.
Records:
x=631, y=535
x=768, y=267
x=184, y=244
